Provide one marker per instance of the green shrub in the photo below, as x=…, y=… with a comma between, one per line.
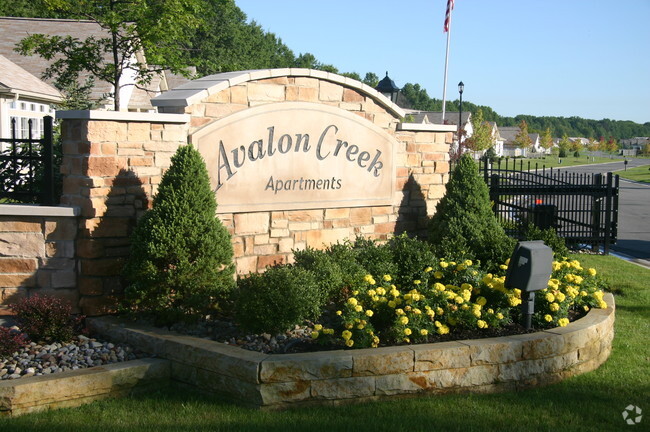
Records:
x=375, y=258
x=46, y=318
x=181, y=256
x=327, y=272
x=550, y=238
x=277, y=299
x=464, y=225
x=411, y=257
x=576, y=154
x=563, y=153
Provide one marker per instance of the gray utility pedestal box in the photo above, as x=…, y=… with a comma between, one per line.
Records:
x=529, y=270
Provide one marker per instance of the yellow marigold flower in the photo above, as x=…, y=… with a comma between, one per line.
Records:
x=602, y=304
x=438, y=275
x=408, y=297
x=346, y=334
x=481, y=324
x=407, y=340
x=372, y=292
x=450, y=295
x=428, y=269
x=360, y=326
x=481, y=301
x=517, y=292
x=439, y=310
x=560, y=296
x=598, y=295
x=381, y=291
x=437, y=324
x=550, y=297
x=438, y=286
x=392, y=304
x=394, y=292
x=578, y=280
x=548, y=318
x=444, y=264
x=443, y=330
x=431, y=313
x=399, y=311
x=592, y=271
x=417, y=282
x=500, y=316
x=513, y=301
x=459, y=299
x=417, y=311
x=338, y=312
x=563, y=322
x=554, y=307
x=328, y=331
x=507, y=261
x=387, y=278
x=407, y=331
x=352, y=301
x=503, y=267
x=477, y=313
x=583, y=293
x=349, y=343
x=358, y=308
x=318, y=327
x=369, y=313
x=465, y=306
x=460, y=267
x=468, y=263
x=586, y=308
x=466, y=294
x=404, y=320
x=424, y=332
x=368, y=278
x=314, y=335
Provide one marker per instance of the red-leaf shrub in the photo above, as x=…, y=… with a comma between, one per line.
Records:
x=11, y=341
x=46, y=318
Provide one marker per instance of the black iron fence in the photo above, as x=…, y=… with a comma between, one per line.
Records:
x=582, y=208
x=27, y=166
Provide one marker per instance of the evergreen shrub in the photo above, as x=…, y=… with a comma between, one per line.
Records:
x=328, y=274
x=464, y=225
x=180, y=265
x=550, y=238
x=277, y=299
x=411, y=257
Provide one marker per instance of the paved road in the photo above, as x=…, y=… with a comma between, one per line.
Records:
x=633, y=211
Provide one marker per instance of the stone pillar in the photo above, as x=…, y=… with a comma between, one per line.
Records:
x=112, y=165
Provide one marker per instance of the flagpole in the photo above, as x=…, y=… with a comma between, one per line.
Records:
x=447, y=28
x=444, y=88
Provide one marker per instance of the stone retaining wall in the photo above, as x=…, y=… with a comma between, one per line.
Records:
x=482, y=365
x=37, y=253
x=72, y=389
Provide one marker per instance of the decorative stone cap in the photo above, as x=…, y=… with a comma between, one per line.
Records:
x=37, y=210
x=197, y=90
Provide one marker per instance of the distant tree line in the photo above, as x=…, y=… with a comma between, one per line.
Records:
x=224, y=41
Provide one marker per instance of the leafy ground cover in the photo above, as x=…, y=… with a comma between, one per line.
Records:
x=593, y=401
x=640, y=173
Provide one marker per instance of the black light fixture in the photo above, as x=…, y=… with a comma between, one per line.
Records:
x=461, y=87
x=388, y=88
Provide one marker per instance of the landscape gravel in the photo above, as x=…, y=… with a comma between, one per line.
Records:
x=36, y=359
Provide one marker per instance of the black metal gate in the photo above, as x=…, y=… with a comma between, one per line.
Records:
x=583, y=208
x=27, y=167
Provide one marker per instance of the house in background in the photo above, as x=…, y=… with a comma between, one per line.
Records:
x=132, y=98
x=23, y=98
x=509, y=133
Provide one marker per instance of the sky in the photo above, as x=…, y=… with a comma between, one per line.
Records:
x=585, y=58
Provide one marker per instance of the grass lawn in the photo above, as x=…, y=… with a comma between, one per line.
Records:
x=590, y=402
x=640, y=173
x=552, y=161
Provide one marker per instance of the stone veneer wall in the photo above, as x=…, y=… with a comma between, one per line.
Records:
x=37, y=253
x=278, y=380
x=113, y=163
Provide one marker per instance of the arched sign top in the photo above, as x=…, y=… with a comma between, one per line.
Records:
x=297, y=155
x=197, y=90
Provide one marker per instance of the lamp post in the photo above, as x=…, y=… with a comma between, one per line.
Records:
x=388, y=88
x=461, y=87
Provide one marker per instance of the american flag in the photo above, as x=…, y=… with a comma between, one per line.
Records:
x=450, y=7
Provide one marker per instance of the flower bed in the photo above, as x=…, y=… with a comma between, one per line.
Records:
x=268, y=380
